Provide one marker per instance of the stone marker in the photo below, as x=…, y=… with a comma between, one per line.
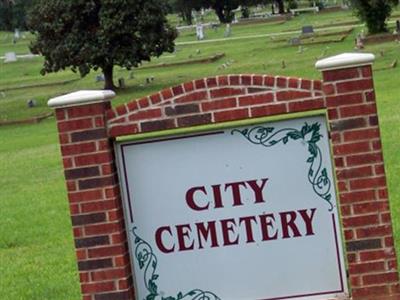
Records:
x=309, y=29
x=398, y=26
x=121, y=83
x=100, y=78
x=359, y=42
x=199, y=32
x=295, y=41
x=17, y=34
x=149, y=79
x=10, y=57
x=300, y=50
x=228, y=30
x=31, y=103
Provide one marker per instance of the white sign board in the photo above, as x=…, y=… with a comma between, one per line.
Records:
x=240, y=213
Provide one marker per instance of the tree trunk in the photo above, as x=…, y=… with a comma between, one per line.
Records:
x=108, y=78
x=281, y=6
x=220, y=13
x=187, y=12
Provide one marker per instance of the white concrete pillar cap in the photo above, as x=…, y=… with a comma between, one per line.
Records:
x=345, y=60
x=81, y=98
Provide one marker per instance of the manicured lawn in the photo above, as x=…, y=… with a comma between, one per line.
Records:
x=37, y=259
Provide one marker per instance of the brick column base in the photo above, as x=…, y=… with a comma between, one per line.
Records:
x=350, y=100
x=94, y=196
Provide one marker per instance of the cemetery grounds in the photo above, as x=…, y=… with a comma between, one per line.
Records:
x=37, y=259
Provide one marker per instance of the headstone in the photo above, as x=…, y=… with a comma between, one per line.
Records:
x=398, y=26
x=100, y=78
x=121, y=83
x=359, y=42
x=300, y=50
x=227, y=30
x=31, y=103
x=10, y=57
x=17, y=34
x=309, y=29
x=194, y=16
x=235, y=20
x=199, y=32
x=295, y=41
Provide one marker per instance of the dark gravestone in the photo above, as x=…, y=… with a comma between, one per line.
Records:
x=31, y=103
x=307, y=29
x=100, y=77
x=295, y=41
x=398, y=26
x=121, y=83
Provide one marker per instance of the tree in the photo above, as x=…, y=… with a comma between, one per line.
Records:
x=185, y=8
x=224, y=9
x=5, y=15
x=13, y=14
x=374, y=13
x=93, y=34
x=281, y=6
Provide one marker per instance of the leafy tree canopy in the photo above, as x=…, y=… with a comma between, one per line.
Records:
x=13, y=14
x=374, y=13
x=185, y=7
x=93, y=34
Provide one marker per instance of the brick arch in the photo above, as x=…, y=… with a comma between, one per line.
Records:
x=213, y=100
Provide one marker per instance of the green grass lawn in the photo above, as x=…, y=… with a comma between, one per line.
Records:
x=37, y=259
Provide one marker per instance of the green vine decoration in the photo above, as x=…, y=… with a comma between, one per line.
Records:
x=317, y=174
x=148, y=263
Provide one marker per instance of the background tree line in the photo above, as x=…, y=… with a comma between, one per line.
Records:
x=373, y=12
x=223, y=8
x=13, y=14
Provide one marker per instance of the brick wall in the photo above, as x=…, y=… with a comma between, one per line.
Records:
x=350, y=100
x=214, y=100
x=95, y=203
x=86, y=137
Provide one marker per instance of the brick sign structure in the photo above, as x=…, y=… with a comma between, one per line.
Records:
x=88, y=127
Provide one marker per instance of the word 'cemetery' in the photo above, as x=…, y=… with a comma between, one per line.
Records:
x=232, y=231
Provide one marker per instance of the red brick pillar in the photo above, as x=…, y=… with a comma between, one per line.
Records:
x=350, y=99
x=94, y=195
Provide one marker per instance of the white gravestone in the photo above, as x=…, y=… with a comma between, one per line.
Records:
x=10, y=57
x=200, y=32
